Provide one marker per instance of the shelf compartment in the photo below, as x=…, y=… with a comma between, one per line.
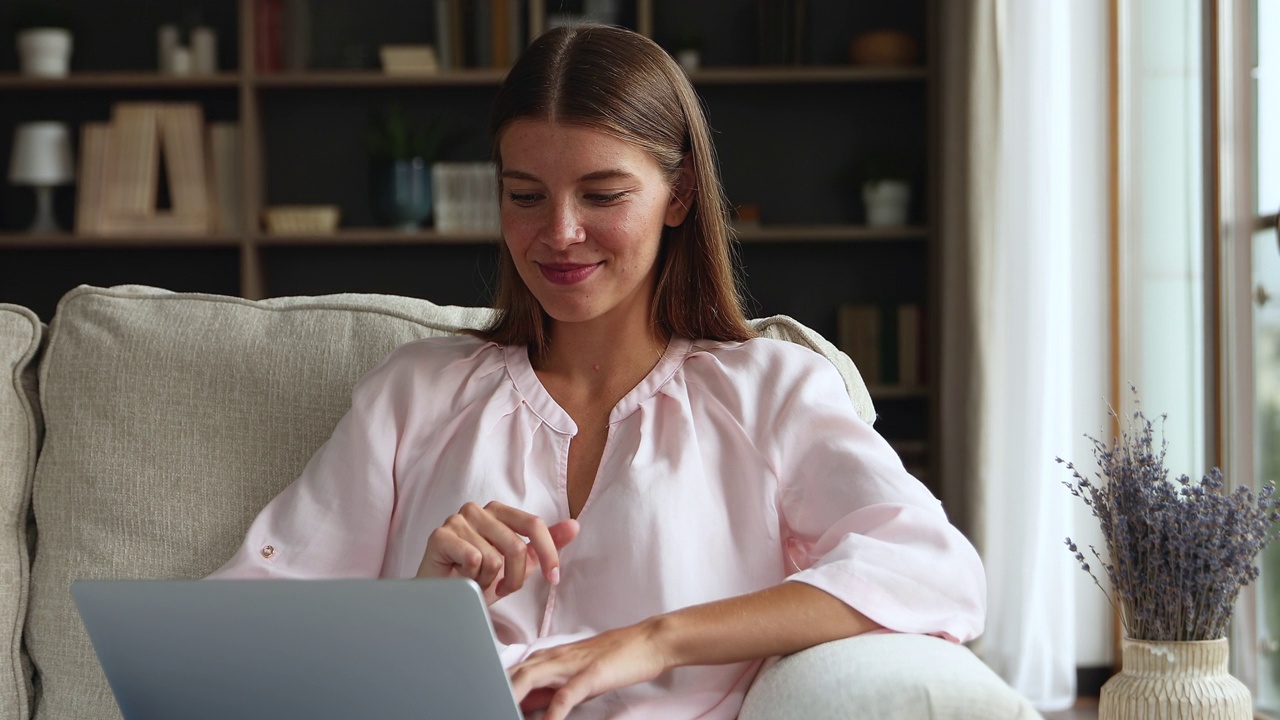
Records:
x=770, y=75
x=72, y=240
x=910, y=448
x=897, y=392
x=348, y=237
x=118, y=80
x=374, y=79
x=828, y=233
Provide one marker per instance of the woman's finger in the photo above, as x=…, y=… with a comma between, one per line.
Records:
x=491, y=524
x=545, y=542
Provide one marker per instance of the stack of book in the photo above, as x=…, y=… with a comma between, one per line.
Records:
x=120, y=189
x=465, y=196
x=885, y=343
x=480, y=33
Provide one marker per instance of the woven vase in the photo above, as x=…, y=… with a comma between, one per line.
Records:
x=1175, y=680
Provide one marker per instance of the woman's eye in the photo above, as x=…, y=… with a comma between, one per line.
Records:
x=523, y=198
x=606, y=198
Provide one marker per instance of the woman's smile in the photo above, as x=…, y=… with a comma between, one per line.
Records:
x=568, y=273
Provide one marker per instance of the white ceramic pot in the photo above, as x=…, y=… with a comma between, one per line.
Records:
x=690, y=59
x=1165, y=680
x=886, y=202
x=45, y=51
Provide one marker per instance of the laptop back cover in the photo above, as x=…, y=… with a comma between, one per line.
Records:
x=280, y=649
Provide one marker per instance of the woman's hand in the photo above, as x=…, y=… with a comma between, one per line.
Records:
x=487, y=544
x=560, y=678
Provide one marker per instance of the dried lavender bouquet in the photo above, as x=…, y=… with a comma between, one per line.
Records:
x=1179, y=551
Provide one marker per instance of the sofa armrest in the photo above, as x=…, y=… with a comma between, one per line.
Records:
x=884, y=676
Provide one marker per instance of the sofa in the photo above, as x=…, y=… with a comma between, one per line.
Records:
x=142, y=430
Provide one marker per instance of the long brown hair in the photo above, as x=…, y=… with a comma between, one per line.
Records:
x=623, y=84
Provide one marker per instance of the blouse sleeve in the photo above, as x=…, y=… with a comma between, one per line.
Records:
x=858, y=525
x=332, y=521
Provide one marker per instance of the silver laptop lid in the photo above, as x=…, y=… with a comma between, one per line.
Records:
x=281, y=649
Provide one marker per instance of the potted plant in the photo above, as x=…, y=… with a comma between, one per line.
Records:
x=689, y=48
x=44, y=39
x=401, y=153
x=886, y=193
x=1177, y=554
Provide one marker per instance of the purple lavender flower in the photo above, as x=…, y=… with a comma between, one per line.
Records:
x=1179, y=551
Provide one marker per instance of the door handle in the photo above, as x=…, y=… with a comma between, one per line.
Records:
x=1270, y=221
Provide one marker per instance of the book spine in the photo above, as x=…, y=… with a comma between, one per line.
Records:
x=225, y=171
x=182, y=136
x=444, y=34
x=482, y=31
x=131, y=163
x=498, y=33
x=859, y=338
x=887, y=344
x=909, y=341
x=91, y=185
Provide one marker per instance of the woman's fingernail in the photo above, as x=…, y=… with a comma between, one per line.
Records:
x=555, y=576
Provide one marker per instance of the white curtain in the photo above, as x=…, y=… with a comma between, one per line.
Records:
x=1023, y=303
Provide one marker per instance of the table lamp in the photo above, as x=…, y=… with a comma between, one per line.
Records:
x=42, y=158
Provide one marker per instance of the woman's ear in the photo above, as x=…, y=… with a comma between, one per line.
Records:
x=681, y=194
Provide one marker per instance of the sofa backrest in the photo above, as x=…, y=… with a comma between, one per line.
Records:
x=171, y=419
x=20, y=335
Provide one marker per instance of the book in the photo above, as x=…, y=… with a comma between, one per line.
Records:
x=181, y=130
x=858, y=335
x=131, y=164
x=226, y=169
x=444, y=34
x=91, y=185
x=516, y=40
x=465, y=195
x=480, y=17
x=498, y=24
x=887, y=344
x=295, y=35
x=910, y=335
x=267, y=35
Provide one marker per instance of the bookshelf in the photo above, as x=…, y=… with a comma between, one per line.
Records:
x=788, y=137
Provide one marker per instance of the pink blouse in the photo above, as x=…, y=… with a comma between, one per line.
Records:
x=730, y=468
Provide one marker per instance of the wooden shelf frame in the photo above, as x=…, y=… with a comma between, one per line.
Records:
x=355, y=236
x=123, y=80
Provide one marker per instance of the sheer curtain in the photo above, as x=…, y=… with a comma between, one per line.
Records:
x=1023, y=309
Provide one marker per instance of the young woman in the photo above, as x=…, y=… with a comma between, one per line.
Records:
x=653, y=500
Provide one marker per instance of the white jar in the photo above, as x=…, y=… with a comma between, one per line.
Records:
x=45, y=51
x=204, y=51
x=886, y=202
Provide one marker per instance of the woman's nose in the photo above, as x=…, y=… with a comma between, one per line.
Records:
x=565, y=227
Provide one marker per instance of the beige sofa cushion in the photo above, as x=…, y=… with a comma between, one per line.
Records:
x=884, y=676
x=20, y=334
x=172, y=419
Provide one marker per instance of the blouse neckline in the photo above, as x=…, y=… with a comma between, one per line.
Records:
x=540, y=401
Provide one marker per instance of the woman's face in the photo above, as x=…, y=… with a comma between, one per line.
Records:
x=582, y=215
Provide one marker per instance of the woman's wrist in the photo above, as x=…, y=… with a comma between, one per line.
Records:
x=663, y=633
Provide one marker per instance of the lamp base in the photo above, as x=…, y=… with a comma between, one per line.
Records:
x=44, y=223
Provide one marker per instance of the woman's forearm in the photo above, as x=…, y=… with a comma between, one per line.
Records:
x=784, y=619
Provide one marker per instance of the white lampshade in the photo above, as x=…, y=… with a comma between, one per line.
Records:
x=41, y=154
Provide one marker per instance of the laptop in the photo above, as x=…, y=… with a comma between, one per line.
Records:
x=283, y=649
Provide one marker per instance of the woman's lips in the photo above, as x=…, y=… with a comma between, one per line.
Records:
x=566, y=273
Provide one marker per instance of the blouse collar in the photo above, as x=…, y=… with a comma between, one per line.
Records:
x=540, y=401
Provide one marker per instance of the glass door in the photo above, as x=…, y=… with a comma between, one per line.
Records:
x=1252, y=397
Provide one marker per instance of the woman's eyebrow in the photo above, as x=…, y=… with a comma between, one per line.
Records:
x=611, y=174
x=518, y=175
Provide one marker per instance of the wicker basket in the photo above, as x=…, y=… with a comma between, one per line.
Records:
x=301, y=219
